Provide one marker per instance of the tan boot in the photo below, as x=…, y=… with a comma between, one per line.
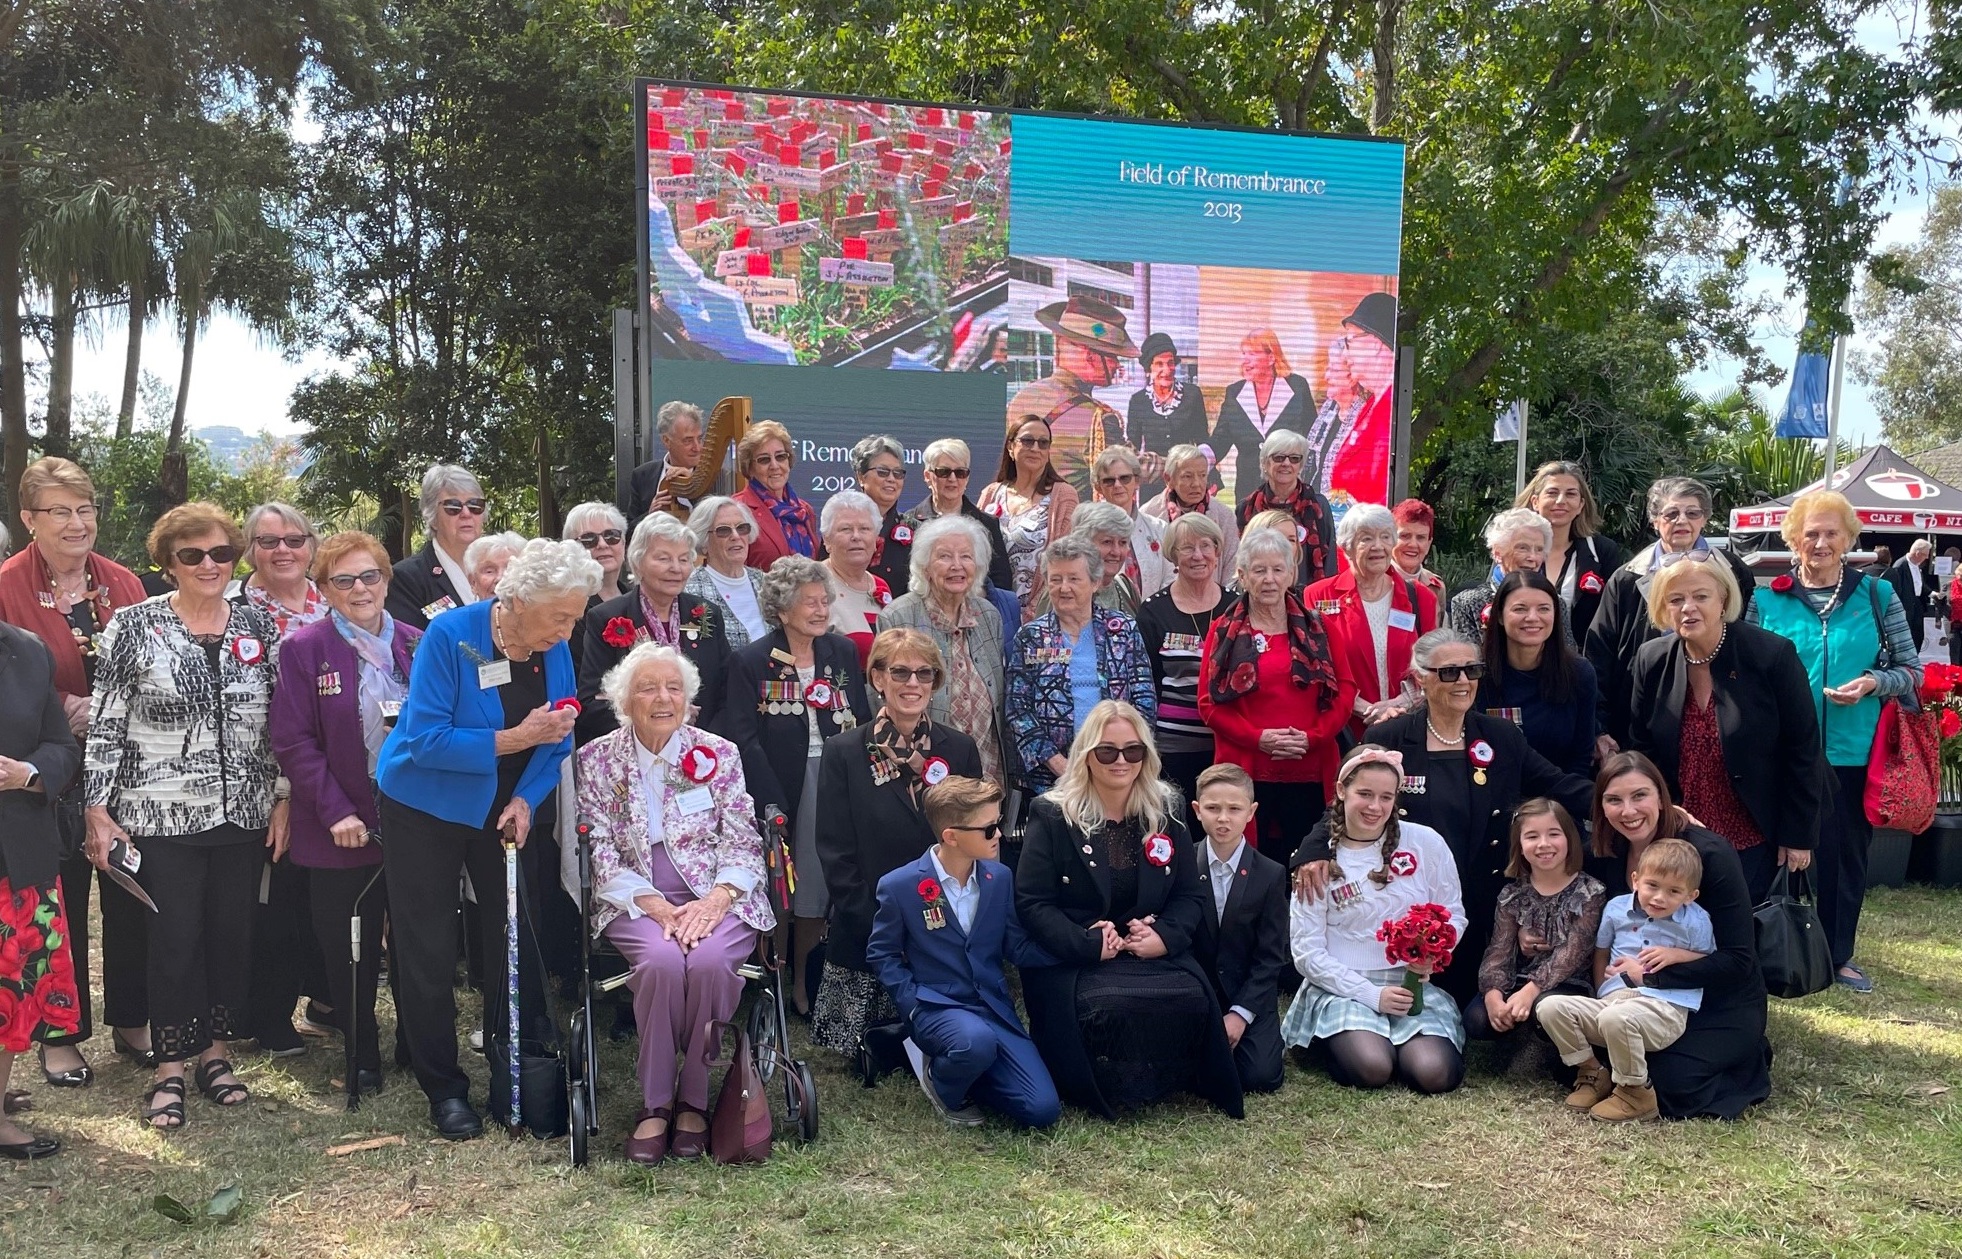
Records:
x=1591, y=1084
x=1626, y=1103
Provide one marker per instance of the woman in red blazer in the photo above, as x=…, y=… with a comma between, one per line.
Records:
x=1352, y=603
x=785, y=523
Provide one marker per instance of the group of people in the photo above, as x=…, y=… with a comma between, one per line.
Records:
x=1592, y=744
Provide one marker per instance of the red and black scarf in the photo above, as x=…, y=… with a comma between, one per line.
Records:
x=1310, y=663
x=1310, y=512
x=1174, y=508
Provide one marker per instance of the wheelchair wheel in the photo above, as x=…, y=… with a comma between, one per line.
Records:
x=804, y=1113
x=579, y=1118
x=766, y=1034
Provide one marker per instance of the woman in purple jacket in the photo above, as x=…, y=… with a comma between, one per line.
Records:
x=341, y=681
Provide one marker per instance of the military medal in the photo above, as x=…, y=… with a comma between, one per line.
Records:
x=329, y=683
x=1517, y=716
x=1481, y=756
x=930, y=894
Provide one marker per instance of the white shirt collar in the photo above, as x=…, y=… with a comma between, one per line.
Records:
x=670, y=753
x=1207, y=859
x=453, y=570
x=933, y=854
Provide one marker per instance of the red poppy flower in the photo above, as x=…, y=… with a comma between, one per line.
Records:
x=1243, y=677
x=54, y=997
x=1782, y=583
x=1951, y=723
x=929, y=891
x=699, y=612
x=619, y=632
x=569, y=702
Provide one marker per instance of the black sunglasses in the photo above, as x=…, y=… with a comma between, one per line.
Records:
x=273, y=541
x=457, y=506
x=609, y=536
x=1452, y=672
x=992, y=830
x=1107, y=753
x=956, y=474
x=905, y=676
x=345, y=581
x=191, y=556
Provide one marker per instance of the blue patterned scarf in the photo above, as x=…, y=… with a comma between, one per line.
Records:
x=794, y=514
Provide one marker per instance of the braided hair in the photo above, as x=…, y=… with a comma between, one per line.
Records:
x=1338, y=824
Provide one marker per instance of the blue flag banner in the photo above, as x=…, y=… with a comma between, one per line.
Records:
x=1805, y=406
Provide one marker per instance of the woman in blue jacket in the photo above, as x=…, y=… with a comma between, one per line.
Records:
x=475, y=754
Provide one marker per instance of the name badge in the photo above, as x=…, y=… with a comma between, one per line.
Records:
x=390, y=709
x=697, y=800
x=1403, y=619
x=1413, y=784
x=494, y=674
x=1343, y=895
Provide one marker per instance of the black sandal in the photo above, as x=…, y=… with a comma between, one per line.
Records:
x=172, y=1110
x=233, y=1094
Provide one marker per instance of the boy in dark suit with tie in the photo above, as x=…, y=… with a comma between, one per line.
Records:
x=1243, y=936
x=943, y=926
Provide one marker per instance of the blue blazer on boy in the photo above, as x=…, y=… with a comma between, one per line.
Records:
x=948, y=983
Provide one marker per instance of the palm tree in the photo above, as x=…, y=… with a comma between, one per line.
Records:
x=1748, y=461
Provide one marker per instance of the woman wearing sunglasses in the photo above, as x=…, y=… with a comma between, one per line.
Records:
x=1286, y=485
x=722, y=528
x=785, y=524
x=279, y=546
x=879, y=462
x=1033, y=503
x=602, y=530
x=948, y=467
x=179, y=767
x=871, y=779
x=1463, y=770
x=433, y=580
x=341, y=680
x=1108, y=884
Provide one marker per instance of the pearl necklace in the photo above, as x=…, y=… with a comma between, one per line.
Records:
x=1438, y=735
x=1838, y=584
x=1721, y=635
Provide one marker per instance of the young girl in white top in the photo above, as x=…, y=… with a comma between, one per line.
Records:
x=1353, y=999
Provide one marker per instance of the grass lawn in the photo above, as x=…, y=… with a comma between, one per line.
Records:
x=1859, y=1151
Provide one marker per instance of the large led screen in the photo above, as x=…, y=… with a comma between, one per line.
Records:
x=859, y=266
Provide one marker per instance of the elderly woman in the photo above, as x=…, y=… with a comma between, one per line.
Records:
x=1372, y=615
x=1344, y=400
x=1534, y=676
x=473, y=757
x=1173, y=624
x=851, y=538
x=1416, y=525
x=1724, y=709
x=722, y=529
x=1067, y=660
x=1168, y=412
x=279, y=547
x=182, y=687
x=1033, y=503
x=1852, y=637
x=1517, y=538
x=61, y=589
x=1118, y=473
x=484, y=560
x=948, y=467
x=1268, y=397
x=1108, y=528
x=602, y=530
x=879, y=463
x=1283, y=488
x=872, y=780
x=788, y=692
x=1189, y=491
x=1273, y=694
x=341, y=680
x=1107, y=884
x=678, y=878
x=1721, y=1065
x=946, y=605
x=785, y=523
x=1580, y=560
x=1678, y=508
x=1463, y=770
x=433, y=579
x=656, y=609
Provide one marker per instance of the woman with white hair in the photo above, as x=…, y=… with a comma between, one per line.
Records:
x=1117, y=474
x=1107, y=527
x=473, y=758
x=1518, y=538
x=602, y=530
x=879, y=462
x=948, y=466
x=432, y=580
x=722, y=528
x=1188, y=490
x=946, y=604
x=1284, y=488
x=850, y=528
x=678, y=881
x=1373, y=616
x=484, y=560
x=279, y=547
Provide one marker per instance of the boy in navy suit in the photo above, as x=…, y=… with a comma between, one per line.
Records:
x=1243, y=936
x=943, y=925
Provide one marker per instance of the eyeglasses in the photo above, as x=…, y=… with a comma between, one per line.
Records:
x=991, y=831
x=609, y=536
x=726, y=532
x=192, y=557
x=1034, y=443
x=1452, y=672
x=1678, y=515
x=1112, y=482
x=274, y=541
x=1284, y=459
x=948, y=474
x=63, y=515
x=775, y=456
x=903, y=675
x=1677, y=557
x=890, y=474
x=457, y=506
x=1107, y=753
x=345, y=581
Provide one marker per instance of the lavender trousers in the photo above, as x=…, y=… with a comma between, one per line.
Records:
x=678, y=994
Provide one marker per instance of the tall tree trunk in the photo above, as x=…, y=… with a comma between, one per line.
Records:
x=1383, y=62
x=132, y=358
x=174, y=478
x=548, y=500
x=61, y=368
x=13, y=362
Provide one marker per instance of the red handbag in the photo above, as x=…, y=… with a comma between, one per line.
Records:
x=1904, y=770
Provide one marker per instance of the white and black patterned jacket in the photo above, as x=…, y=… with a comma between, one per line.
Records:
x=171, y=750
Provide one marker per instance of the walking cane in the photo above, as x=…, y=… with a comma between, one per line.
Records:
x=511, y=1049
x=350, y=1021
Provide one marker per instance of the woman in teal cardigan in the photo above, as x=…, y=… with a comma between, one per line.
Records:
x=474, y=755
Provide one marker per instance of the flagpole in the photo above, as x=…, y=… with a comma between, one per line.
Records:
x=1832, y=407
x=1519, y=468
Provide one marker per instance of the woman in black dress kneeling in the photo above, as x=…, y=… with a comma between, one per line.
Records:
x=1108, y=883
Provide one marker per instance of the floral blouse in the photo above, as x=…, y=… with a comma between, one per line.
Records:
x=1566, y=921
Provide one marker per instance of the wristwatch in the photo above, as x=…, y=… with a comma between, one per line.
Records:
x=33, y=779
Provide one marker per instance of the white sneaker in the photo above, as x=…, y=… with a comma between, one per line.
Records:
x=477, y=1040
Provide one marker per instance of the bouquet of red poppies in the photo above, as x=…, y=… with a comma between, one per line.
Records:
x=1424, y=936
x=1941, y=695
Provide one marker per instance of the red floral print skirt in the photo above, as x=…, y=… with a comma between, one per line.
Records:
x=37, y=975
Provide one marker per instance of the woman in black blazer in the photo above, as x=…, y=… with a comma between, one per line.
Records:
x=1463, y=772
x=1724, y=709
x=787, y=693
x=1107, y=884
x=871, y=780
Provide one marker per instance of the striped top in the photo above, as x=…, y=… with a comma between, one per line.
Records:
x=1174, y=643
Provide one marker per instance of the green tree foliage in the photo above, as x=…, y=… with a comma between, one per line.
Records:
x=1911, y=305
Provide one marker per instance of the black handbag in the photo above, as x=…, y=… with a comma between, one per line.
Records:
x=1792, y=948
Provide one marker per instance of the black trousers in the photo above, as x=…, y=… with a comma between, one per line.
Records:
x=1258, y=1055
x=1955, y=644
x=286, y=960
x=423, y=855
x=125, y=940
x=335, y=896
x=1841, y=860
x=1917, y=629
x=1287, y=812
x=1760, y=863
x=200, y=970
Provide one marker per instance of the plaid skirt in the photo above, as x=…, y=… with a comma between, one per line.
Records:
x=1316, y=1015
x=37, y=975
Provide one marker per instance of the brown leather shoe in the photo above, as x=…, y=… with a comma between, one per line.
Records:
x=1591, y=1084
x=689, y=1144
x=649, y=1150
x=1626, y=1103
